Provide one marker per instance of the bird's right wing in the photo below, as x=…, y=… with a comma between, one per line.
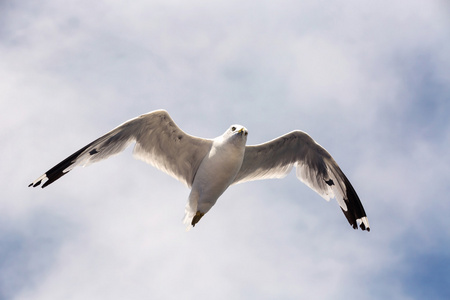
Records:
x=315, y=167
x=159, y=142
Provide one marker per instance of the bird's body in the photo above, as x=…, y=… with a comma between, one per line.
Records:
x=226, y=155
x=209, y=167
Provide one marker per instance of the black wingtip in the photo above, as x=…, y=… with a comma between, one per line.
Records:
x=355, y=210
x=363, y=227
x=35, y=184
x=59, y=170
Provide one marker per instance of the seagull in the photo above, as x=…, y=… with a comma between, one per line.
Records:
x=209, y=166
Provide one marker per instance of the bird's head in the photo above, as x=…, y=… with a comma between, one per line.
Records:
x=237, y=133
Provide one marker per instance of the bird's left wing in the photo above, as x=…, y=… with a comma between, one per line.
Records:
x=315, y=167
x=159, y=142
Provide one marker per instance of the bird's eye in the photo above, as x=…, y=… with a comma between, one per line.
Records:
x=233, y=128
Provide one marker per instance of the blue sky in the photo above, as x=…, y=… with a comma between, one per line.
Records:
x=369, y=80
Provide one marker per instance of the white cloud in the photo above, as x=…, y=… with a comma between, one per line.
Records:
x=367, y=79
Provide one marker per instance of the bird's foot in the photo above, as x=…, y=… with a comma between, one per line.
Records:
x=197, y=218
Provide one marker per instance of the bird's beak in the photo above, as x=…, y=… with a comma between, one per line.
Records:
x=242, y=131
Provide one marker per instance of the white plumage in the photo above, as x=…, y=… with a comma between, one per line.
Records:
x=209, y=167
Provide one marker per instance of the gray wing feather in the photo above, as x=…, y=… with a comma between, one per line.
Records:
x=315, y=167
x=159, y=142
x=276, y=158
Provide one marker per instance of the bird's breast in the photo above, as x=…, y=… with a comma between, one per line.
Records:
x=218, y=170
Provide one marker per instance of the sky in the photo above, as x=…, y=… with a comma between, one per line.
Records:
x=368, y=80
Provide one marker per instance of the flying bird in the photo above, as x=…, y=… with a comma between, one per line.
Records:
x=210, y=166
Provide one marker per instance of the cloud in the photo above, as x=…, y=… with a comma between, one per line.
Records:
x=368, y=80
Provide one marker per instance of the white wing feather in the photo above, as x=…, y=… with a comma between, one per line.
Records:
x=315, y=167
x=159, y=142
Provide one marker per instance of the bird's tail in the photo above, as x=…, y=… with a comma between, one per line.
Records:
x=190, y=210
